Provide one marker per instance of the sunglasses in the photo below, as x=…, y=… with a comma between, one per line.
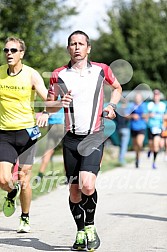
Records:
x=12, y=50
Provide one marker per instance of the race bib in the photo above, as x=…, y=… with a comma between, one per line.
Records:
x=34, y=132
x=155, y=130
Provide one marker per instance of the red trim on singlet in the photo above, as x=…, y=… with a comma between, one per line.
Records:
x=54, y=80
x=108, y=74
x=54, y=77
x=67, y=119
x=98, y=122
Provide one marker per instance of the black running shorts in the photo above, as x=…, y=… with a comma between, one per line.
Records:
x=151, y=135
x=135, y=133
x=82, y=153
x=16, y=144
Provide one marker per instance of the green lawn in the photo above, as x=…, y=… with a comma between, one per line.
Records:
x=54, y=176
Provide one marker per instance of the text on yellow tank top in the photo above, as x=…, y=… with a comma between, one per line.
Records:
x=16, y=99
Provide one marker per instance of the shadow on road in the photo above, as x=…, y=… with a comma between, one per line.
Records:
x=155, y=194
x=140, y=216
x=33, y=243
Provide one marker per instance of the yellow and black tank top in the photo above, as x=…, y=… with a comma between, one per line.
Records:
x=16, y=99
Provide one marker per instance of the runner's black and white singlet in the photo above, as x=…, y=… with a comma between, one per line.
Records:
x=87, y=89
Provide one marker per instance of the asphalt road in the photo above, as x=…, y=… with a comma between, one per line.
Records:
x=131, y=214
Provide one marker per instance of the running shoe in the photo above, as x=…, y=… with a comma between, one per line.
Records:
x=154, y=166
x=9, y=205
x=24, y=226
x=93, y=241
x=80, y=242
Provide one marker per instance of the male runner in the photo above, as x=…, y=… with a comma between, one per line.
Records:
x=18, y=129
x=80, y=84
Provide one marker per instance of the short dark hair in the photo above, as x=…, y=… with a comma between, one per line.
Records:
x=156, y=91
x=20, y=41
x=79, y=32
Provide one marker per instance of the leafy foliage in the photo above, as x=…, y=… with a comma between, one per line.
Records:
x=36, y=22
x=138, y=35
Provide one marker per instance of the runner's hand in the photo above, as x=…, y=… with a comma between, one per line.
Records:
x=66, y=99
x=109, y=112
x=42, y=120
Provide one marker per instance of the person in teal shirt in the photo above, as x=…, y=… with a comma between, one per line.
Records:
x=156, y=111
x=54, y=137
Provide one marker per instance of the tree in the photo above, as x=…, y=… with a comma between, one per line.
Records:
x=36, y=22
x=138, y=35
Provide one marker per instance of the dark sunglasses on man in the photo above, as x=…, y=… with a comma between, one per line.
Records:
x=12, y=50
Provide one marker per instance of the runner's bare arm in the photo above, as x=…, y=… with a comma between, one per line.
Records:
x=53, y=105
x=39, y=86
x=41, y=90
x=114, y=99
